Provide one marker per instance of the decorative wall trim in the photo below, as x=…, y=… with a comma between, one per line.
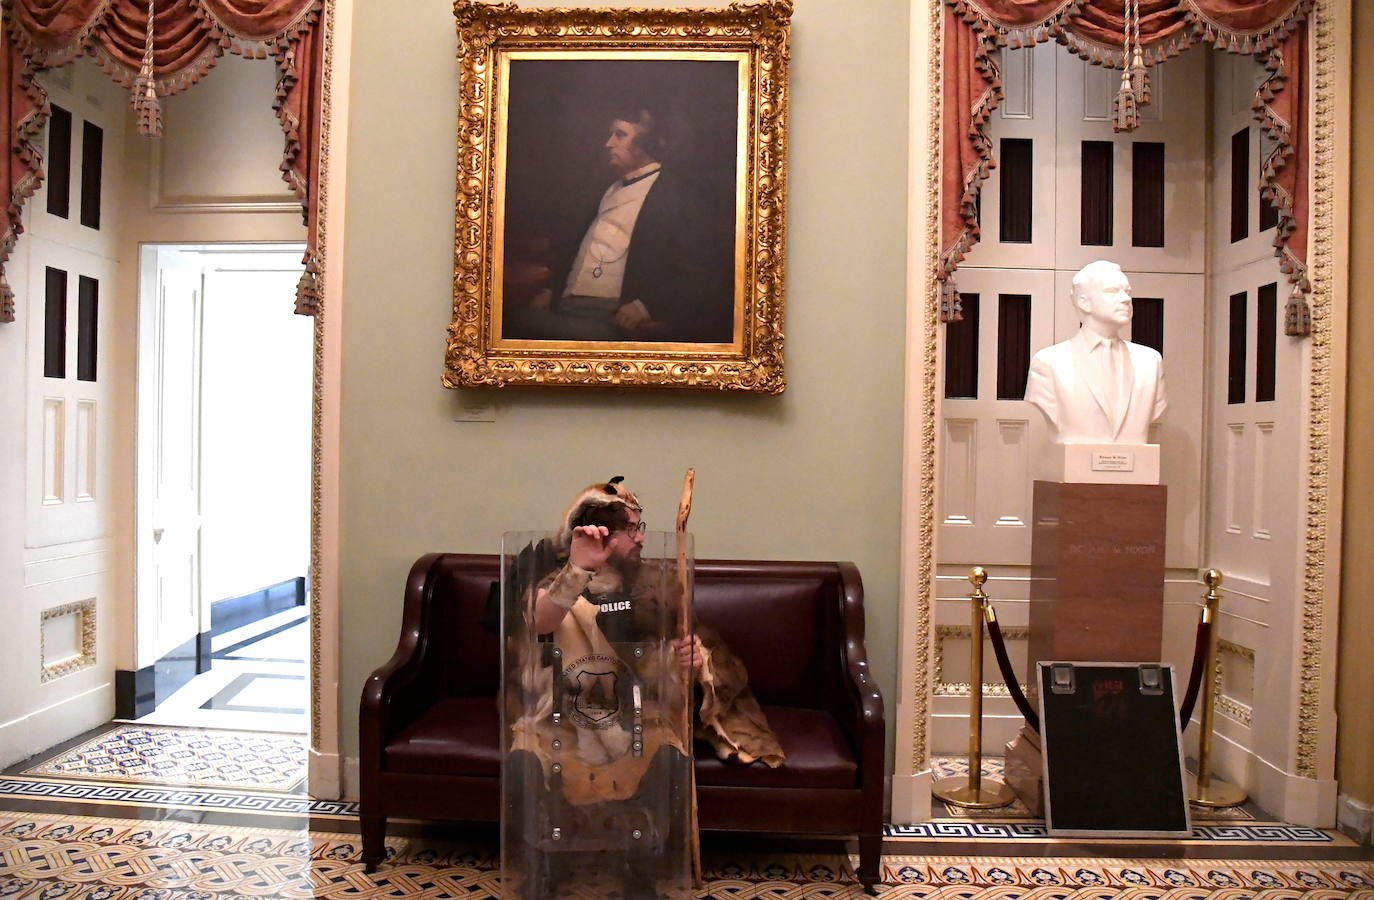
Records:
x=1322, y=503
x=326, y=379
x=1227, y=705
x=961, y=688
x=83, y=660
x=924, y=295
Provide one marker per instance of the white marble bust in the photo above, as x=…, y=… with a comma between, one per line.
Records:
x=1096, y=388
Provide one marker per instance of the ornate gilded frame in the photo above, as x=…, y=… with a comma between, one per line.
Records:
x=60, y=668
x=1313, y=740
x=758, y=34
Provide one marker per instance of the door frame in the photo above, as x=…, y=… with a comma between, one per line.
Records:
x=325, y=779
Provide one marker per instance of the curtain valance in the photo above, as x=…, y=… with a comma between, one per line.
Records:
x=1130, y=35
x=157, y=48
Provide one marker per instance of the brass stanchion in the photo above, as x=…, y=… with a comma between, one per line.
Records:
x=975, y=792
x=1206, y=789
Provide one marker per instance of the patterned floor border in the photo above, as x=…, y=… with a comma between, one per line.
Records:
x=1237, y=832
x=174, y=797
x=277, y=804
x=49, y=857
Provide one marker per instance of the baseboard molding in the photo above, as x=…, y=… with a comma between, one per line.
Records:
x=1293, y=798
x=138, y=693
x=34, y=732
x=910, y=798
x=1355, y=818
x=324, y=778
x=352, y=778
x=235, y=612
x=205, y=654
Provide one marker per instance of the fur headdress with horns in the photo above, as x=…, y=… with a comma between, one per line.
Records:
x=605, y=494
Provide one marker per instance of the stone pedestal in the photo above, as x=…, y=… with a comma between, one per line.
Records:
x=1024, y=772
x=1097, y=573
x=1097, y=592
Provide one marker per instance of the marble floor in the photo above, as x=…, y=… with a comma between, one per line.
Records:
x=257, y=680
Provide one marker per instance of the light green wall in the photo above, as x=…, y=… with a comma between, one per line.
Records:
x=812, y=474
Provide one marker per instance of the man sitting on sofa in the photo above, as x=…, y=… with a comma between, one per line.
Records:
x=596, y=762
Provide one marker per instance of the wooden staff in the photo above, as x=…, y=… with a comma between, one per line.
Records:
x=684, y=596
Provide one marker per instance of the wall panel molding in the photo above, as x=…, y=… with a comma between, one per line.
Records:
x=67, y=663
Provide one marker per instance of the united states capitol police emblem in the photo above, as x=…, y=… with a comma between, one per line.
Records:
x=593, y=690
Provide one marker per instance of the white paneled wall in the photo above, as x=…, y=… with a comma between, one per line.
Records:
x=57, y=563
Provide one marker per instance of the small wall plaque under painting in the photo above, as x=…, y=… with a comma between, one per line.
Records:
x=1113, y=759
x=621, y=197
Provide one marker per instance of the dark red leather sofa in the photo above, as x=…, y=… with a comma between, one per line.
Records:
x=430, y=725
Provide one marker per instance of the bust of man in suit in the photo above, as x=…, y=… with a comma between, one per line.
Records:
x=1096, y=388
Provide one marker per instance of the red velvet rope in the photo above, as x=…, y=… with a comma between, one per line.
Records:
x=1204, y=635
x=999, y=649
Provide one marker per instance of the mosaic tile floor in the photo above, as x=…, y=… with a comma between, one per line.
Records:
x=84, y=858
x=164, y=755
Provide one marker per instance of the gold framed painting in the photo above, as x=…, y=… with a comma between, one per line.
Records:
x=621, y=197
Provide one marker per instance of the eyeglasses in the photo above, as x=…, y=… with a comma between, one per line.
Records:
x=637, y=528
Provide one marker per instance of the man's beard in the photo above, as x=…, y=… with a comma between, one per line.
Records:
x=627, y=563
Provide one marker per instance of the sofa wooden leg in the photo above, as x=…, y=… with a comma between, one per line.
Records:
x=374, y=841
x=870, y=861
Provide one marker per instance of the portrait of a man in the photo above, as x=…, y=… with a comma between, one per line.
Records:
x=620, y=201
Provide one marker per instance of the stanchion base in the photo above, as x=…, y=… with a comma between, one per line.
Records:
x=957, y=791
x=1220, y=794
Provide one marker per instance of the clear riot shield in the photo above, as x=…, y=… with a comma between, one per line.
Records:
x=595, y=770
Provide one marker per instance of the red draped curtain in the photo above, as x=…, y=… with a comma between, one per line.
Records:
x=157, y=48
x=1125, y=34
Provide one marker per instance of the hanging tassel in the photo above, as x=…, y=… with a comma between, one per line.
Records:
x=308, y=288
x=1135, y=83
x=145, y=102
x=1140, y=80
x=6, y=300
x=1125, y=112
x=1297, y=315
x=951, y=306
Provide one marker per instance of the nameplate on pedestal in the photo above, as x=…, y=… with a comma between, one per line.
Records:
x=1110, y=464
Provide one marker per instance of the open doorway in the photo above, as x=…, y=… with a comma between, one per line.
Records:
x=223, y=500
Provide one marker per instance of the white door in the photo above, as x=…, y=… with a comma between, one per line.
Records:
x=168, y=605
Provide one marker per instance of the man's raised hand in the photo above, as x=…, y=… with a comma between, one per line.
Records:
x=591, y=547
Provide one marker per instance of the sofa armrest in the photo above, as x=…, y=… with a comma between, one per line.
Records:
x=391, y=695
x=863, y=716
